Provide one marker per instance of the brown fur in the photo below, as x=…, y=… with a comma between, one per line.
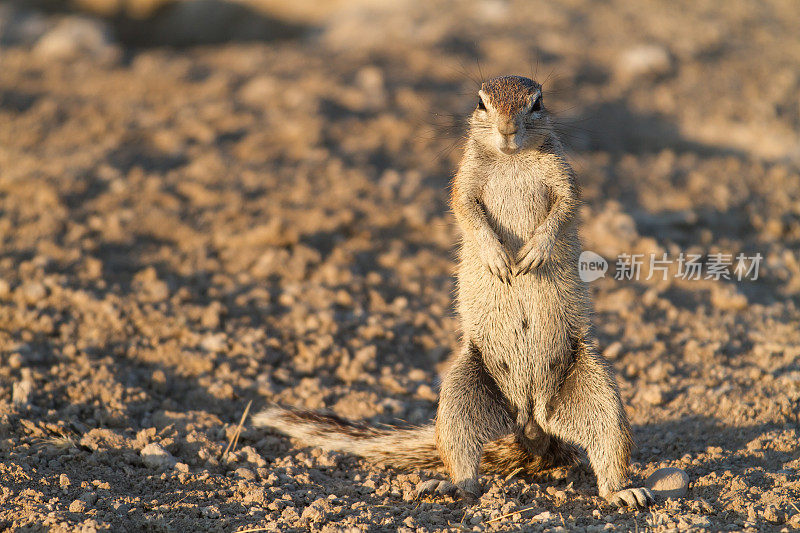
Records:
x=507, y=94
x=410, y=448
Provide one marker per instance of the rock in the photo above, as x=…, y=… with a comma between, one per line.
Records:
x=214, y=343
x=244, y=473
x=728, y=299
x=259, y=90
x=5, y=288
x=75, y=37
x=613, y=350
x=21, y=392
x=98, y=439
x=371, y=81
x=211, y=316
x=773, y=514
x=652, y=395
x=154, y=456
x=644, y=60
x=149, y=287
x=78, y=506
x=15, y=360
x=212, y=511
x=317, y=511
x=668, y=482
x=545, y=516
x=699, y=522
x=253, y=457
x=63, y=481
x=33, y=292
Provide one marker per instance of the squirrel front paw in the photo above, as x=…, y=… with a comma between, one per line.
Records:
x=495, y=258
x=534, y=253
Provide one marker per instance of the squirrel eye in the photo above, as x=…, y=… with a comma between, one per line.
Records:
x=481, y=105
x=537, y=105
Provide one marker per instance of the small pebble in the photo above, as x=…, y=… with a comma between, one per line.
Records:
x=644, y=60
x=652, y=395
x=15, y=360
x=212, y=511
x=74, y=37
x=33, y=292
x=78, y=506
x=155, y=456
x=21, y=392
x=5, y=288
x=245, y=473
x=668, y=482
x=774, y=515
x=613, y=350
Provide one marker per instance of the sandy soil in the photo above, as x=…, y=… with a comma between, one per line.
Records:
x=262, y=216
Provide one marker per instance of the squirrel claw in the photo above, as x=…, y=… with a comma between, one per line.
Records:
x=435, y=487
x=635, y=498
x=534, y=253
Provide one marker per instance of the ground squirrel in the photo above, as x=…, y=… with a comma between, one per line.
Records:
x=528, y=382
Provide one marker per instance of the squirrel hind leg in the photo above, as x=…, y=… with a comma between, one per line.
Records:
x=472, y=412
x=588, y=411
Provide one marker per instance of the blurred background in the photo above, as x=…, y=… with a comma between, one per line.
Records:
x=205, y=203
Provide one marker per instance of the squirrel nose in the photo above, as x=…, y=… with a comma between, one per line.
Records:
x=507, y=128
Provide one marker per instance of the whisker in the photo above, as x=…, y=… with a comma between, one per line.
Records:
x=480, y=70
x=552, y=70
x=477, y=81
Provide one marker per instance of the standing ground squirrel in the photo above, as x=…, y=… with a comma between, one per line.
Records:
x=528, y=382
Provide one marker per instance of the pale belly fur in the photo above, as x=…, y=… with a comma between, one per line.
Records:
x=526, y=329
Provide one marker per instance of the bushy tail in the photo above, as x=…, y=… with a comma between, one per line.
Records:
x=406, y=448
x=412, y=448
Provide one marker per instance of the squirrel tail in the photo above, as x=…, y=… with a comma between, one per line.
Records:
x=411, y=448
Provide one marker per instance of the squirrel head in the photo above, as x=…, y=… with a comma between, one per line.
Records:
x=510, y=115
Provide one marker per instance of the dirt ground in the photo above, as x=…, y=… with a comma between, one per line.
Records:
x=203, y=209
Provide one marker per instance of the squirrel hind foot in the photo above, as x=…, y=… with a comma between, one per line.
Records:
x=468, y=490
x=635, y=498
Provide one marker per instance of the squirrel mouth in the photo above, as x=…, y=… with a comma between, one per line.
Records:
x=508, y=150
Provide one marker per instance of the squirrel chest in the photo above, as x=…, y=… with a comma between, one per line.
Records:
x=515, y=202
